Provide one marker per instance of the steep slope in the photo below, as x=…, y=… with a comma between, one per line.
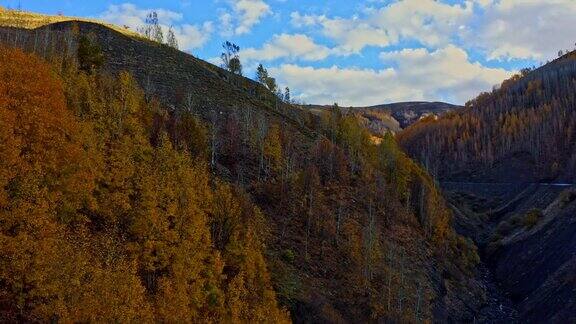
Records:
x=507, y=162
x=526, y=236
x=97, y=224
x=353, y=231
x=522, y=131
x=537, y=263
x=177, y=79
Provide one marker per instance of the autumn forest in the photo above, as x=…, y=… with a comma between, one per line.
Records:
x=140, y=184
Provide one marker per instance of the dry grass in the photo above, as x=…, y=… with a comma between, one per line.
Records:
x=30, y=20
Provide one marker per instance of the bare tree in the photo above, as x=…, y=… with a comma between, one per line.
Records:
x=214, y=140
x=287, y=97
x=419, y=296
x=390, y=257
x=231, y=58
x=261, y=74
x=171, y=38
x=152, y=29
x=261, y=131
x=338, y=222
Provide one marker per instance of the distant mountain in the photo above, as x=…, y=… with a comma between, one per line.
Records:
x=407, y=113
x=395, y=116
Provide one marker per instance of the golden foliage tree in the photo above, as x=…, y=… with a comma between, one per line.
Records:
x=99, y=225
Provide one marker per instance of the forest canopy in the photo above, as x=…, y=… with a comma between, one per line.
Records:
x=114, y=207
x=98, y=225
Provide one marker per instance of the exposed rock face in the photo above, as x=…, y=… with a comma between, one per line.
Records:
x=538, y=266
x=395, y=116
x=407, y=113
x=533, y=264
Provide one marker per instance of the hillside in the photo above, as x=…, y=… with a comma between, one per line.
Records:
x=506, y=163
x=522, y=131
x=525, y=236
x=408, y=113
x=394, y=116
x=149, y=154
x=172, y=76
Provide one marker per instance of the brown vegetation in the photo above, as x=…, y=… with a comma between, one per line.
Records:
x=99, y=225
x=531, y=116
x=183, y=211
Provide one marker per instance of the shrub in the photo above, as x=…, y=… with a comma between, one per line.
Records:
x=567, y=196
x=504, y=228
x=90, y=56
x=287, y=283
x=532, y=218
x=468, y=252
x=493, y=246
x=516, y=220
x=288, y=255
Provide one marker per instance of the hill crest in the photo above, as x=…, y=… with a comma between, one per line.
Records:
x=31, y=20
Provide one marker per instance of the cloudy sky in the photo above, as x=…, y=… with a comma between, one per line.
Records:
x=359, y=52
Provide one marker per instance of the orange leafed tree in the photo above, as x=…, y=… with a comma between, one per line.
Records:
x=99, y=225
x=46, y=177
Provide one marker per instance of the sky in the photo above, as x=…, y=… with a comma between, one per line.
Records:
x=358, y=52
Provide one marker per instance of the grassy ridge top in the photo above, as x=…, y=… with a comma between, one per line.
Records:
x=31, y=20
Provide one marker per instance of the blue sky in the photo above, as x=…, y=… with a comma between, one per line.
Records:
x=358, y=52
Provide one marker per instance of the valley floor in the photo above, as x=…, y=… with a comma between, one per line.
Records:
x=493, y=215
x=499, y=308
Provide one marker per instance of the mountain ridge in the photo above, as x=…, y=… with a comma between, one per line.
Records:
x=394, y=116
x=496, y=159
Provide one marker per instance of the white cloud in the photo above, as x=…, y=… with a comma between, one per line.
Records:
x=188, y=36
x=503, y=29
x=130, y=15
x=347, y=86
x=528, y=29
x=497, y=29
x=299, y=20
x=430, y=22
x=483, y=3
x=353, y=35
x=245, y=14
x=193, y=36
x=417, y=74
x=296, y=46
x=445, y=71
